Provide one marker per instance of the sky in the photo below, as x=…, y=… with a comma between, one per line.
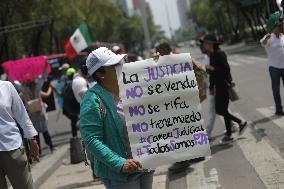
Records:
x=278, y=3
x=158, y=8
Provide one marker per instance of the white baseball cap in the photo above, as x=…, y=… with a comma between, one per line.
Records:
x=102, y=57
x=115, y=48
x=64, y=66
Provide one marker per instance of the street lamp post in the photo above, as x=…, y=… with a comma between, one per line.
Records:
x=169, y=22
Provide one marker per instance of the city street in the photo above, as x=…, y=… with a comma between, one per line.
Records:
x=142, y=109
x=252, y=161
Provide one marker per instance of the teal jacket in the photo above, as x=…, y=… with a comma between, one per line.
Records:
x=103, y=134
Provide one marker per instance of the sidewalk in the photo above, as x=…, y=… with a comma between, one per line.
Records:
x=79, y=176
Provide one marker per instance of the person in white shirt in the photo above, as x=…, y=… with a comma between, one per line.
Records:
x=82, y=81
x=13, y=161
x=274, y=46
x=79, y=86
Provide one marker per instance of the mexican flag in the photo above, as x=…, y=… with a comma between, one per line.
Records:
x=79, y=41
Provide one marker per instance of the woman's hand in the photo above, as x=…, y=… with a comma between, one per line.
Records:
x=131, y=166
x=265, y=39
x=209, y=67
x=34, y=149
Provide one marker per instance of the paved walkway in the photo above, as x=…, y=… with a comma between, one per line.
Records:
x=71, y=176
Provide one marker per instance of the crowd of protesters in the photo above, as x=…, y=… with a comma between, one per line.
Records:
x=88, y=95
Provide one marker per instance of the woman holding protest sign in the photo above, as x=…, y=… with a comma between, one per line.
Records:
x=103, y=127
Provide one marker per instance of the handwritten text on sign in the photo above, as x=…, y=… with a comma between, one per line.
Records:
x=162, y=109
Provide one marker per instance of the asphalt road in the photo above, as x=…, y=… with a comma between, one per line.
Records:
x=254, y=160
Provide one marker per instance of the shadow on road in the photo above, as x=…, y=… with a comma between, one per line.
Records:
x=80, y=185
x=177, y=180
x=218, y=147
x=259, y=133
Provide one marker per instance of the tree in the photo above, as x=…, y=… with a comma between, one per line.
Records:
x=106, y=20
x=232, y=18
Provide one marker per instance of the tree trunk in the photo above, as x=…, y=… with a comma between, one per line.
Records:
x=253, y=17
x=50, y=37
x=235, y=30
x=249, y=23
x=258, y=16
x=36, y=43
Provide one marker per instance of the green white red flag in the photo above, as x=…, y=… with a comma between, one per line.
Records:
x=80, y=40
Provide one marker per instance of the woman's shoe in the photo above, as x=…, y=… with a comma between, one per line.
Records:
x=226, y=140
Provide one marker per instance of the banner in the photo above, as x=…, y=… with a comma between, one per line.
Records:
x=162, y=110
x=18, y=69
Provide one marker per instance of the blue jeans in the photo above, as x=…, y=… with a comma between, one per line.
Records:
x=276, y=74
x=141, y=180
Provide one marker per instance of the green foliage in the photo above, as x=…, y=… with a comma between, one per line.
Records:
x=187, y=34
x=106, y=20
x=229, y=17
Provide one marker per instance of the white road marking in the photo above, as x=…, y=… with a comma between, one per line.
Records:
x=267, y=163
x=198, y=180
x=250, y=57
x=233, y=63
x=246, y=59
x=269, y=113
x=242, y=61
x=255, y=58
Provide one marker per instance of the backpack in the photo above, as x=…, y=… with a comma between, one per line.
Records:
x=70, y=104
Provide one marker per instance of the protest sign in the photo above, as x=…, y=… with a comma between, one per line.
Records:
x=18, y=69
x=162, y=110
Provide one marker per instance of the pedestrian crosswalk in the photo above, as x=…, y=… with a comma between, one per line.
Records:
x=198, y=180
x=268, y=164
x=269, y=113
x=265, y=160
x=244, y=60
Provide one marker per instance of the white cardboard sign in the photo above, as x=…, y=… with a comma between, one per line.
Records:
x=162, y=110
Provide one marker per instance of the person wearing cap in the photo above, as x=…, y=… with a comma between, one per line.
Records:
x=211, y=100
x=273, y=42
x=13, y=160
x=103, y=127
x=220, y=80
x=64, y=67
x=80, y=84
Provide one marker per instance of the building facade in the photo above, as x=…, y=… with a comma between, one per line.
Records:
x=183, y=7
